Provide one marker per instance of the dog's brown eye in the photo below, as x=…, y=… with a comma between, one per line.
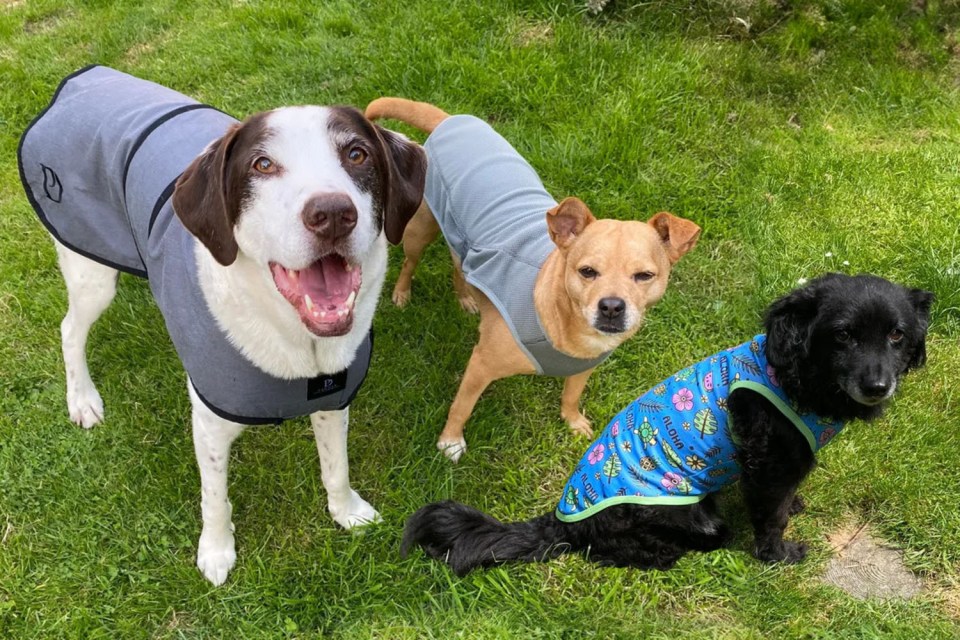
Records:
x=356, y=155
x=263, y=164
x=895, y=336
x=588, y=272
x=644, y=276
x=842, y=336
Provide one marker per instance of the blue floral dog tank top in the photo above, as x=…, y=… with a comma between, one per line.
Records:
x=673, y=444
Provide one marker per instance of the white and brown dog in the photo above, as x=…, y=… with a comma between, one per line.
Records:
x=264, y=243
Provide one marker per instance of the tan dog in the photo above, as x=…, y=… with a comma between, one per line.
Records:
x=589, y=287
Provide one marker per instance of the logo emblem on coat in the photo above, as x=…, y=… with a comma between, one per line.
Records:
x=51, y=184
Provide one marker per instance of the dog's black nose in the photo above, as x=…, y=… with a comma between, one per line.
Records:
x=612, y=307
x=330, y=215
x=875, y=388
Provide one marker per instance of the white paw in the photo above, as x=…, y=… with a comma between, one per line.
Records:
x=85, y=406
x=581, y=425
x=215, y=557
x=453, y=449
x=356, y=512
x=468, y=304
x=400, y=296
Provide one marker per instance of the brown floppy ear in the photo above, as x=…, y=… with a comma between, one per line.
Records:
x=679, y=235
x=567, y=220
x=201, y=201
x=406, y=173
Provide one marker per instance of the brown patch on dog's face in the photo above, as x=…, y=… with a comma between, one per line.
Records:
x=385, y=164
x=210, y=193
x=616, y=270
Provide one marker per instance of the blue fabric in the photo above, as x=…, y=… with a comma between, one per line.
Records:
x=673, y=444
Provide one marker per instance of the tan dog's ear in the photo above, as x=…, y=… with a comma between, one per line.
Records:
x=567, y=220
x=679, y=235
x=202, y=202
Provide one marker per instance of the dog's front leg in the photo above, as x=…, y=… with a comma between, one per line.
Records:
x=346, y=506
x=775, y=459
x=769, y=502
x=570, y=403
x=212, y=437
x=476, y=379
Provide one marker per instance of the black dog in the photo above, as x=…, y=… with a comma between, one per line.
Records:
x=838, y=345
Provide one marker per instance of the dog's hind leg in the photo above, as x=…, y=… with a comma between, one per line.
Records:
x=468, y=302
x=212, y=438
x=346, y=506
x=420, y=232
x=91, y=287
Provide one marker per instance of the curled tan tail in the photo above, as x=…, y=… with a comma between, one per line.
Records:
x=422, y=115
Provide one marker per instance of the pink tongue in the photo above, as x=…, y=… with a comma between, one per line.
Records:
x=326, y=279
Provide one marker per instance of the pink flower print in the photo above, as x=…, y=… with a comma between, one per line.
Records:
x=826, y=434
x=671, y=480
x=708, y=381
x=683, y=400
x=615, y=429
x=596, y=454
x=772, y=374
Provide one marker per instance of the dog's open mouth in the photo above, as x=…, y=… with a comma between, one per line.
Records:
x=323, y=294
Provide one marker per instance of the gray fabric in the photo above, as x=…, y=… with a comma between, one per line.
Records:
x=103, y=126
x=492, y=209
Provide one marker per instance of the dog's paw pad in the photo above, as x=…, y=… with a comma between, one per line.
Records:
x=453, y=449
x=580, y=425
x=216, y=559
x=400, y=297
x=468, y=304
x=85, y=407
x=356, y=514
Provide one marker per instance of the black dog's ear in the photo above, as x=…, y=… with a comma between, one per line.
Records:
x=407, y=173
x=922, y=301
x=788, y=323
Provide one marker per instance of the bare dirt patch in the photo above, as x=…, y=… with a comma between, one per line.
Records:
x=865, y=568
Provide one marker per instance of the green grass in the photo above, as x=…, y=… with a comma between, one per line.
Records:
x=829, y=127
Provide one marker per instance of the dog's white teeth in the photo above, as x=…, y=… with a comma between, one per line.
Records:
x=323, y=314
x=292, y=275
x=348, y=268
x=351, y=299
x=308, y=302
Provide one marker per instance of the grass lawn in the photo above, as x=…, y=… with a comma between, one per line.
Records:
x=803, y=136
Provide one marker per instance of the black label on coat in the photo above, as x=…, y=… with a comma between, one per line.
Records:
x=326, y=384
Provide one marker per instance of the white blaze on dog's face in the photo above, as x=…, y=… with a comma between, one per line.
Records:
x=305, y=192
x=614, y=270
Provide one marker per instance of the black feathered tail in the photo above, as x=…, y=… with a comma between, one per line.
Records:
x=465, y=538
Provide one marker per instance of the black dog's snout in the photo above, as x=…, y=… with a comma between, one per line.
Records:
x=612, y=308
x=875, y=388
x=330, y=215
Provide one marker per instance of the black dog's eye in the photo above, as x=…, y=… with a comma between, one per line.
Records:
x=588, y=272
x=895, y=336
x=356, y=155
x=644, y=276
x=842, y=336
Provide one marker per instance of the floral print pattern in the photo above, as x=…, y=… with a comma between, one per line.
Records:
x=677, y=452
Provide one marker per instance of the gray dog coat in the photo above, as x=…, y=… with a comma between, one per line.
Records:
x=492, y=208
x=99, y=166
